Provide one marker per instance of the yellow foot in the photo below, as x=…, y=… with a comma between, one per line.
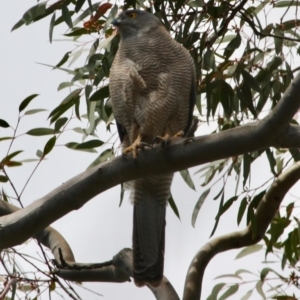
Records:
x=165, y=140
x=135, y=146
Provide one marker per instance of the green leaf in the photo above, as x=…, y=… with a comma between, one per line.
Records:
x=122, y=192
x=10, y=156
x=60, y=123
x=259, y=289
x=5, y=138
x=198, y=206
x=64, y=59
x=31, y=14
x=100, y=94
x=249, y=250
x=26, y=101
x=232, y=46
x=12, y=163
x=232, y=290
x=79, y=4
x=30, y=160
x=208, y=60
x=218, y=216
x=39, y=154
x=247, y=159
x=215, y=291
x=63, y=85
x=242, y=209
x=41, y=131
x=185, y=174
x=272, y=161
x=4, y=124
x=104, y=156
x=89, y=144
x=49, y=145
x=3, y=178
x=52, y=22
x=73, y=146
x=227, y=205
x=247, y=295
x=67, y=103
x=251, y=81
x=34, y=111
x=173, y=206
x=78, y=32
x=278, y=41
x=66, y=16
x=254, y=203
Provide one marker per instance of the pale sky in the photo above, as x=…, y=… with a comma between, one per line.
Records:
x=100, y=229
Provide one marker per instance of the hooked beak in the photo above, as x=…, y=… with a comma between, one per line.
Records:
x=116, y=22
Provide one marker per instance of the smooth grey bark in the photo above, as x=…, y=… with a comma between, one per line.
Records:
x=274, y=130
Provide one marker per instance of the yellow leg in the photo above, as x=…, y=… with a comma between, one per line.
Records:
x=134, y=146
x=166, y=138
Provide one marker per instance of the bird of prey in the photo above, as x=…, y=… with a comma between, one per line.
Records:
x=152, y=90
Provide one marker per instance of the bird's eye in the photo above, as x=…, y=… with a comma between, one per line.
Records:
x=132, y=15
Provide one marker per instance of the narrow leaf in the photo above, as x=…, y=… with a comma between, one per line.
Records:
x=52, y=22
x=185, y=174
x=79, y=4
x=41, y=131
x=173, y=206
x=232, y=290
x=31, y=14
x=242, y=209
x=249, y=250
x=63, y=60
x=89, y=144
x=259, y=289
x=3, y=178
x=247, y=295
x=34, y=111
x=104, y=156
x=198, y=206
x=26, y=101
x=10, y=156
x=3, y=123
x=232, y=45
x=60, y=123
x=100, y=94
x=216, y=290
x=250, y=80
x=49, y=145
x=66, y=16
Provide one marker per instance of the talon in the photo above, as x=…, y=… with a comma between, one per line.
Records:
x=189, y=140
x=134, y=146
x=164, y=140
x=179, y=134
x=144, y=145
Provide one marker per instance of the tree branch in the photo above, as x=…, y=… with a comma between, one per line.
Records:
x=265, y=213
x=177, y=156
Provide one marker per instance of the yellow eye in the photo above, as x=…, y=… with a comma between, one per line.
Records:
x=132, y=15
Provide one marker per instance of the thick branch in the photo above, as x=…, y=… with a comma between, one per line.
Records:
x=265, y=213
x=177, y=156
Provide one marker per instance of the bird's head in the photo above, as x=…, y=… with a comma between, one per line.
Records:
x=135, y=22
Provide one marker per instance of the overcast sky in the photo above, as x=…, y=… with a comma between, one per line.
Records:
x=100, y=229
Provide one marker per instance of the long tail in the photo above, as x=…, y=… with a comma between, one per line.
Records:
x=150, y=197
